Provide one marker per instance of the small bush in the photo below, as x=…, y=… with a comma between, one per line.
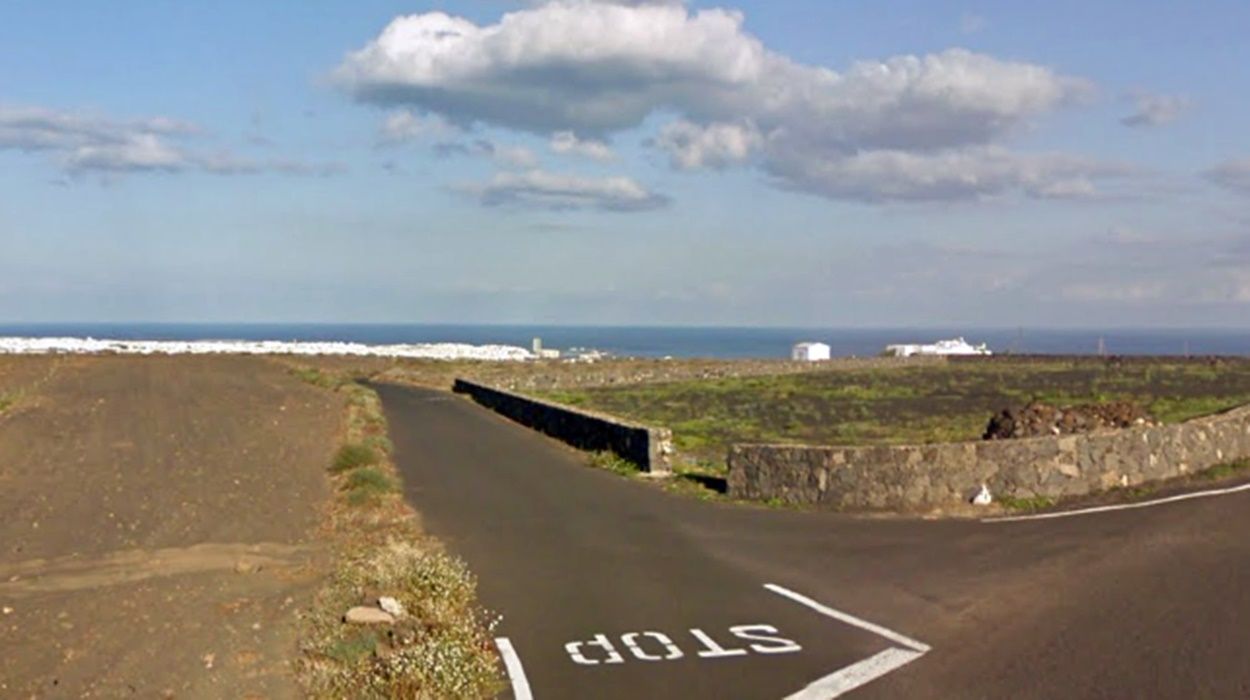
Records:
x=613, y=463
x=353, y=455
x=367, y=485
x=354, y=647
x=379, y=443
x=314, y=376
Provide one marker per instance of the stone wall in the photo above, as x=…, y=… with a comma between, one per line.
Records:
x=547, y=376
x=647, y=447
x=926, y=477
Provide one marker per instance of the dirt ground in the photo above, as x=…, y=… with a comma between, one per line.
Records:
x=158, y=524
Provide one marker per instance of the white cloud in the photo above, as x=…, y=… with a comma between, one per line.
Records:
x=38, y=129
x=597, y=68
x=84, y=143
x=1155, y=110
x=1231, y=174
x=559, y=191
x=567, y=143
x=403, y=125
x=137, y=152
x=964, y=173
x=691, y=146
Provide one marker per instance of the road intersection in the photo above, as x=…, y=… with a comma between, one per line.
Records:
x=610, y=588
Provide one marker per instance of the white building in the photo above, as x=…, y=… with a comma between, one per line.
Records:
x=810, y=352
x=543, y=354
x=956, y=346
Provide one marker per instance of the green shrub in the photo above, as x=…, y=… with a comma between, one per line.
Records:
x=613, y=463
x=314, y=376
x=353, y=455
x=380, y=443
x=366, y=485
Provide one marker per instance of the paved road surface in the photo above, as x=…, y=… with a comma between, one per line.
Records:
x=611, y=588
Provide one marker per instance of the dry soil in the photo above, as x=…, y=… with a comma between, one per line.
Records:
x=158, y=524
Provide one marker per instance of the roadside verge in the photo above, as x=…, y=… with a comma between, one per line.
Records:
x=399, y=617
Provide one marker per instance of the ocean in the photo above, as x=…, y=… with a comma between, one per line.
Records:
x=661, y=341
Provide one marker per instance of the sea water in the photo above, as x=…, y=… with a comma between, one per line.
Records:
x=675, y=341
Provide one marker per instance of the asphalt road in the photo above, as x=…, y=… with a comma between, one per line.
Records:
x=610, y=588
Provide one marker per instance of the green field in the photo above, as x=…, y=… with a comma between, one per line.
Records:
x=935, y=403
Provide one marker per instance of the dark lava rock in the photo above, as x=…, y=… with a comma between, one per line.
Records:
x=1037, y=419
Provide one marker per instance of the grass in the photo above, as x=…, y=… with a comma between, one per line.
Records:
x=354, y=455
x=909, y=404
x=353, y=648
x=1225, y=471
x=613, y=463
x=379, y=443
x=367, y=485
x=318, y=378
x=443, y=648
x=7, y=401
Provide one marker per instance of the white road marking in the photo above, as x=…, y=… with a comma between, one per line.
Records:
x=844, y=680
x=847, y=679
x=671, y=652
x=849, y=619
x=516, y=672
x=601, y=641
x=1121, y=506
x=711, y=649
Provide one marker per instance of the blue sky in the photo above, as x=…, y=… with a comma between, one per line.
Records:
x=753, y=163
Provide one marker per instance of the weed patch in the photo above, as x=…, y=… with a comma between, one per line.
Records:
x=613, y=463
x=379, y=443
x=1225, y=471
x=354, y=455
x=368, y=485
x=314, y=376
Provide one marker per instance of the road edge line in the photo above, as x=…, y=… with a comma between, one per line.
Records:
x=845, y=680
x=850, y=619
x=1119, y=506
x=516, y=672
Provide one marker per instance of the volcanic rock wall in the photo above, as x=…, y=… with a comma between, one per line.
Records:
x=926, y=477
x=647, y=447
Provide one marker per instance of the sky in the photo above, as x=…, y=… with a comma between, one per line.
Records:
x=644, y=162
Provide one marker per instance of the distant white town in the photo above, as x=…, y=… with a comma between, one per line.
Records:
x=90, y=346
